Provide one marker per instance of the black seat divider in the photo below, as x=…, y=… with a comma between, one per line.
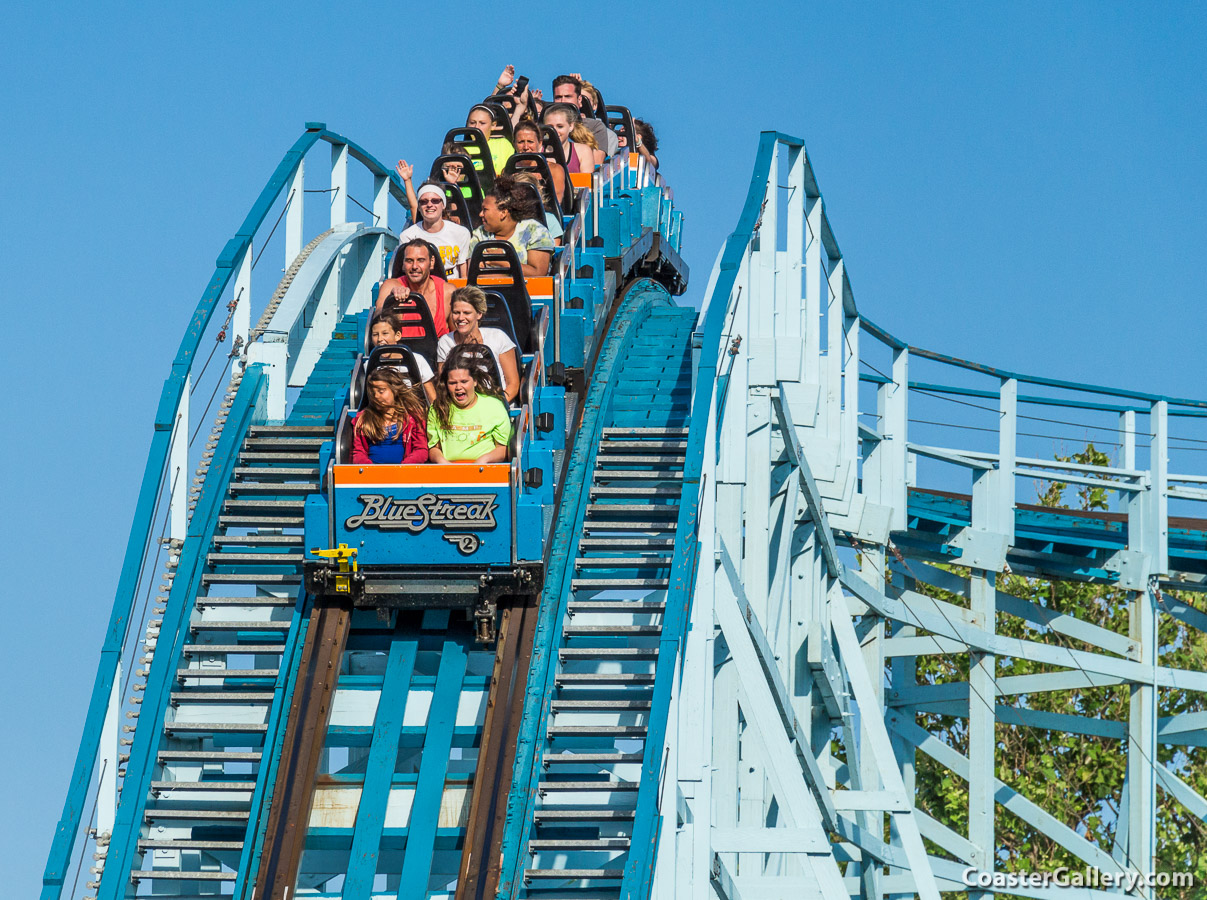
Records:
x=418, y=329
x=507, y=101
x=396, y=356
x=471, y=203
x=552, y=147
x=600, y=108
x=535, y=192
x=459, y=205
x=502, y=117
x=620, y=120
x=499, y=259
x=538, y=165
x=498, y=315
x=483, y=357
x=343, y=439
x=437, y=262
x=474, y=142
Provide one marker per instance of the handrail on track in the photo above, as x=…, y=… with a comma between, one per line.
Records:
x=1139, y=438
x=1194, y=412
x=238, y=245
x=889, y=340
x=166, y=429
x=639, y=867
x=248, y=403
x=573, y=243
x=606, y=181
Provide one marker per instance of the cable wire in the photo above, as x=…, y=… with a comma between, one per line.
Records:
x=365, y=208
x=264, y=246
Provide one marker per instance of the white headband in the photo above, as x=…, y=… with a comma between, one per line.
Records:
x=430, y=189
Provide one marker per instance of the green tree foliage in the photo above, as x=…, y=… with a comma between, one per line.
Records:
x=1078, y=779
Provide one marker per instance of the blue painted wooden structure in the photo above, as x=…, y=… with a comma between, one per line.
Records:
x=722, y=697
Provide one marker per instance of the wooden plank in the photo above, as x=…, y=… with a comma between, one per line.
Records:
x=433, y=766
x=480, y=856
x=309, y=713
x=379, y=771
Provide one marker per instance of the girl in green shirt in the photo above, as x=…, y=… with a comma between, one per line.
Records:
x=468, y=422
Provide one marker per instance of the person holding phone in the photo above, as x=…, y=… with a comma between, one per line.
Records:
x=518, y=87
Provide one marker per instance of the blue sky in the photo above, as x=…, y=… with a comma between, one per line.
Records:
x=1017, y=183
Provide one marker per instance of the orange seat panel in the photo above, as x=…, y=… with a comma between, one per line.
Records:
x=427, y=475
x=540, y=287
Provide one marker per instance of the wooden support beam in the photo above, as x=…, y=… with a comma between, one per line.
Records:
x=302, y=750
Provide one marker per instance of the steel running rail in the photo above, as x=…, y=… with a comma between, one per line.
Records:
x=608, y=182
x=171, y=424
x=559, y=574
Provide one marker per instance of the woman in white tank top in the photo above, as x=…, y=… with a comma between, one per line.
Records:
x=465, y=312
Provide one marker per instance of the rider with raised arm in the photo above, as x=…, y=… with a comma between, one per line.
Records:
x=569, y=89
x=566, y=89
x=524, y=106
x=405, y=172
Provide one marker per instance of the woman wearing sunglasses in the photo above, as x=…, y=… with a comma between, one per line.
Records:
x=451, y=239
